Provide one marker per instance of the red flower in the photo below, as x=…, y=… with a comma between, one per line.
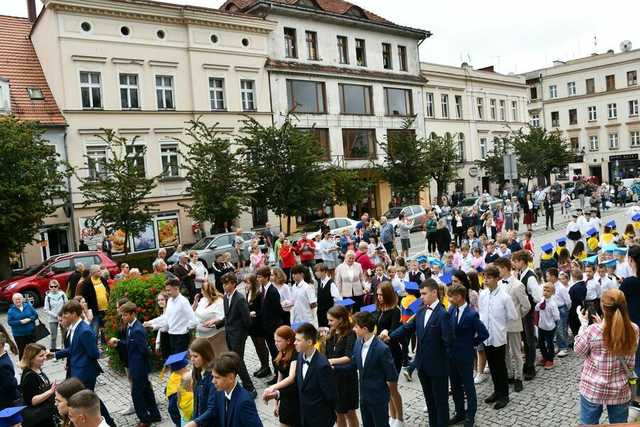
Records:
x=153, y=290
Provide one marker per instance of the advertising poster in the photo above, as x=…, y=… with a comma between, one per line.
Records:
x=168, y=233
x=91, y=233
x=145, y=240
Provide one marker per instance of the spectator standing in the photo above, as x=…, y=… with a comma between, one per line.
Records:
x=37, y=390
x=350, y=280
x=387, y=234
x=631, y=289
x=22, y=317
x=75, y=277
x=54, y=300
x=95, y=291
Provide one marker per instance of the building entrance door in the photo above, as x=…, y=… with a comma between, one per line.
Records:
x=54, y=241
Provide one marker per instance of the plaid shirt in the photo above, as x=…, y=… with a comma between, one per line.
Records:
x=603, y=379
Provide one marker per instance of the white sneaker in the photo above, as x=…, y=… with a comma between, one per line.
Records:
x=425, y=410
x=563, y=353
x=407, y=375
x=392, y=422
x=129, y=411
x=398, y=424
x=480, y=378
x=486, y=369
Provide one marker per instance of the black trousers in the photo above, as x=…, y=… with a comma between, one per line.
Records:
x=436, y=395
x=236, y=344
x=529, y=339
x=22, y=342
x=262, y=350
x=498, y=369
x=549, y=218
x=144, y=401
x=273, y=350
x=178, y=343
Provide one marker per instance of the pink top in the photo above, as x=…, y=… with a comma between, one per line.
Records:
x=257, y=260
x=603, y=379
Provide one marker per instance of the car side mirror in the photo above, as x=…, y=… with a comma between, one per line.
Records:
x=213, y=247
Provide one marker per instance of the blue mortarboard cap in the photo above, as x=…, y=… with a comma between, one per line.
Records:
x=593, y=259
x=411, y=286
x=296, y=325
x=636, y=217
x=415, y=306
x=436, y=261
x=562, y=241
x=11, y=416
x=620, y=251
x=611, y=224
x=369, y=308
x=610, y=263
x=422, y=259
x=446, y=278
x=592, y=231
x=609, y=247
x=547, y=247
x=177, y=361
x=347, y=302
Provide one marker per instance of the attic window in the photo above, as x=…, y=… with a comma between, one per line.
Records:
x=35, y=93
x=356, y=11
x=307, y=3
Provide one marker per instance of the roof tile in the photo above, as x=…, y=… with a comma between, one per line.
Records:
x=20, y=65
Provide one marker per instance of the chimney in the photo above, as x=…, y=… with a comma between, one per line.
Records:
x=31, y=9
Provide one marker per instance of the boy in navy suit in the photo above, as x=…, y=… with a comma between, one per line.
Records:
x=316, y=385
x=138, y=353
x=376, y=370
x=234, y=405
x=468, y=332
x=432, y=327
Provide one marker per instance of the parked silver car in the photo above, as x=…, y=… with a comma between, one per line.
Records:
x=209, y=247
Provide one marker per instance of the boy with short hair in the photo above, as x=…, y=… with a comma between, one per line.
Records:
x=548, y=316
x=328, y=293
x=304, y=296
x=563, y=301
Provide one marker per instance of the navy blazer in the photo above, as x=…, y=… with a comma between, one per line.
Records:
x=467, y=333
x=317, y=392
x=138, y=351
x=82, y=355
x=378, y=369
x=8, y=383
x=204, y=400
x=433, y=340
x=242, y=409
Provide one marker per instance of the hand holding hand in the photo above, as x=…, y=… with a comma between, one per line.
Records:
x=384, y=336
x=48, y=355
x=147, y=324
x=25, y=321
x=113, y=342
x=211, y=323
x=583, y=316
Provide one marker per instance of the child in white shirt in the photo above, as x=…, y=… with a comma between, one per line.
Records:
x=549, y=315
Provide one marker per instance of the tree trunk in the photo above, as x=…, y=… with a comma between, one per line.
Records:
x=5, y=263
x=288, y=224
x=126, y=243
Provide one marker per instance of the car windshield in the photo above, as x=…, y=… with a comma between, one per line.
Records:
x=202, y=244
x=35, y=268
x=393, y=213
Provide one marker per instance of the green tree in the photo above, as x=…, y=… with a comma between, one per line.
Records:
x=540, y=152
x=442, y=156
x=493, y=163
x=32, y=186
x=118, y=188
x=406, y=166
x=284, y=167
x=347, y=185
x=214, y=173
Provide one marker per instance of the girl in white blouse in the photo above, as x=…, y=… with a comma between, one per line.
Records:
x=208, y=308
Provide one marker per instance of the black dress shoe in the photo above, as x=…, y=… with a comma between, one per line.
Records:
x=263, y=373
x=492, y=398
x=512, y=380
x=469, y=422
x=156, y=420
x=529, y=376
x=272, y=381
x=457, y=418
x=517, y=386
x=257, y=372
x=501, y=403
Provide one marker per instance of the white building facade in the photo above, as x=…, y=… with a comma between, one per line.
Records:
x=594, y=103
x=475, y=108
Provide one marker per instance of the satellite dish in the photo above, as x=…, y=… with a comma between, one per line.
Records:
x=625, y=46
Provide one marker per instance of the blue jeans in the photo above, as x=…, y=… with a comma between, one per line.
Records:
x=590, y=412
x=561, y=329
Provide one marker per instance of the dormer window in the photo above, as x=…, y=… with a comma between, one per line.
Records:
x=5, y=96
x=35, y=94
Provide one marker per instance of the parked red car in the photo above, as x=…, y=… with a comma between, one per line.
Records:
x=33, y=283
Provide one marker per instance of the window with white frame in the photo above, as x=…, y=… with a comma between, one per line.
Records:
x=445, y=105
x=633, y=108
x=96, y=160
x=555, y=119
x=593, y=143
x=90, y=89
x=514, y=110
x=164, y=92
x=571, y=88
x=461, y=147
x=135, y=153
x=553, y=91
x=170, y=162
x=429, y=111
x=483, y=148
x=632, y=78
x=480, y=105
x=613, y=141
x=216, y=93
x=635, y=138
x=535, y=120
x=129, y=92
x=503, y=107
x=5, y=97
x=593, y=115
x=612, y=110
x=459, y=106
x=248, y=95
x=492, y=108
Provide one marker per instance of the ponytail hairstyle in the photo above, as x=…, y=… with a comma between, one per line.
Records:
x=634, y=254
x=619, y=337
x=5, y=338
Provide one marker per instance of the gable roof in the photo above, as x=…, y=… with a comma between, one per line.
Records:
x=339, y=7
x=20, y=65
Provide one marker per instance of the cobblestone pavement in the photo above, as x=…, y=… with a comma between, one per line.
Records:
x=551, y=399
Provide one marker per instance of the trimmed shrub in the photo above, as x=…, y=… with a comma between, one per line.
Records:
x=142, y=291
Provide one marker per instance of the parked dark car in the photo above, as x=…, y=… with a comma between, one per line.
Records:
x=33, y=282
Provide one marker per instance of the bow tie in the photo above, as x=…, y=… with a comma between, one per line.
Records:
x=505, y=280
x=429, y=307
x=306, y=362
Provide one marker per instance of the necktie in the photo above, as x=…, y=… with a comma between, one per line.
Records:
x=429, y=307
x=67, y=339
x=227, y=401
x=457, y=315
x=543, y=305
x=264, y=294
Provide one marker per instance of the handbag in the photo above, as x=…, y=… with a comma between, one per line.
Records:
x=632, y=379
x=40, y=330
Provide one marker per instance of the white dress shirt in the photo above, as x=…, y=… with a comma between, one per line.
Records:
x=594, y=289
x=335, y=293
x=549, y=316
x=178, y=317
x=429, y=310
x=561, y=297
x=305, y=366
x=460, y=311
x=623, y=270
x=72, y=330
x=533, y=287
x=496, y=310
x=229, y=394
x=365, y=349
x=303, y=296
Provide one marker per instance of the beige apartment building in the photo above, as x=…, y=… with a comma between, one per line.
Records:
x=145, y=69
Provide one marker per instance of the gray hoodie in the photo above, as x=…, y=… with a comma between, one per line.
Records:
x=53, y=304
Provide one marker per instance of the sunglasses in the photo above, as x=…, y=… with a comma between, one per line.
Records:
x=53, y=287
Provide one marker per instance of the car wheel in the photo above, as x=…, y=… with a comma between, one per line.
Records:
x=32, y=297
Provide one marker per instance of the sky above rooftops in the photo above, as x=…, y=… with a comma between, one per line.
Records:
x=514, y=36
